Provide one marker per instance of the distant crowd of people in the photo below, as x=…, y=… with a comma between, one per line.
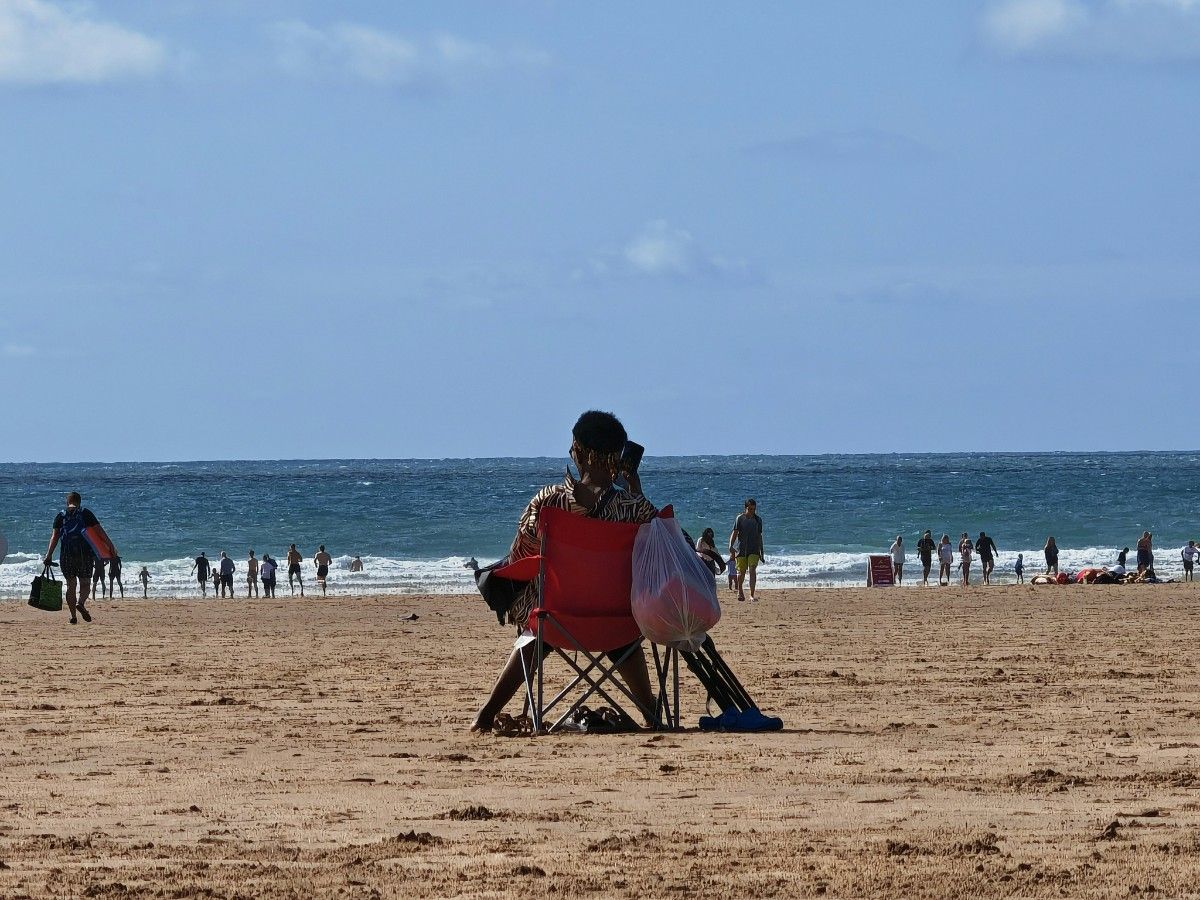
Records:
x=84, y=570
x=263, y=570
x=985, y=548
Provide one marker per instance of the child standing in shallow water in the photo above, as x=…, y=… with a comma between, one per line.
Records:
x=1019, y=568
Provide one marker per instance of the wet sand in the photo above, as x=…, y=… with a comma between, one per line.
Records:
x=989, y=742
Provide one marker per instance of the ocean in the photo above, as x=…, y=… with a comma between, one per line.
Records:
x=415, y=522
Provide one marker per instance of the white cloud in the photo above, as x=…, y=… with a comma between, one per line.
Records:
x=1146, y=31
x=17, y=350
x=1018, y=25
x=49, y=43
x=357, y=52
x=661, y=250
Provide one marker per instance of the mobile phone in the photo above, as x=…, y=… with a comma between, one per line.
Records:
x=631, y=457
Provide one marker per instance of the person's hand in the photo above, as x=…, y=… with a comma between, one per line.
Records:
x=635, y=483
x=47, y=560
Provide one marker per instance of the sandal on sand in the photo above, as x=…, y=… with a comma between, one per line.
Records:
x=509, y=726
x=616, y=720
x=604, y=720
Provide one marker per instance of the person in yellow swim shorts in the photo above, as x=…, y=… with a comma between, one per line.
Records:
x=747, y=533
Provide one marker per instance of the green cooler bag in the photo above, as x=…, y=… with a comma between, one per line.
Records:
x=46, y=592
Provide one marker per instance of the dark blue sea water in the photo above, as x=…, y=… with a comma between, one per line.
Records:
x=414, y=522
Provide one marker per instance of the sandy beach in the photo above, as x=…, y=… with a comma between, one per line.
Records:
x=1003, y=741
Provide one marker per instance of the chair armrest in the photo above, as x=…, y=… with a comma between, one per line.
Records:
x=524, y=569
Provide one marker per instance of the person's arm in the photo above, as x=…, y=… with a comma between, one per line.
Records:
x=732, y=536
x=762, y=543
x=54, y=534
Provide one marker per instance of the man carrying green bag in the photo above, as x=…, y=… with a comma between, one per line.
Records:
x=75, y=556
x=46, y=592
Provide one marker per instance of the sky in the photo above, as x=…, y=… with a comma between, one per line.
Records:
x=235, y=229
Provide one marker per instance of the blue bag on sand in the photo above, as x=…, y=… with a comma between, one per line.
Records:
x=745, y=720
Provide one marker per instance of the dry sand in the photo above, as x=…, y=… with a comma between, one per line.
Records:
x=989, y=742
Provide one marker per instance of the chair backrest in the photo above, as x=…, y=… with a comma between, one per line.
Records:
x=587, y=581
x=587, y=565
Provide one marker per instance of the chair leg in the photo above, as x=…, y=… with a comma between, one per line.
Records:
x=727, y=675
x=705, y=671
x=595, y=685
x=537, y=714
x=530, y=703
x=675, y=672
x=666, y=669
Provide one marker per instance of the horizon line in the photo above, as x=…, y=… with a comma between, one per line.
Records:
x=649, y=456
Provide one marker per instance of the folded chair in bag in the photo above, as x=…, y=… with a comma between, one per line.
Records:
x=584, y=576
x=739, y=712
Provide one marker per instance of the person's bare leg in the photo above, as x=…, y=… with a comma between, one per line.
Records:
x=511, y=677
x=71, y=597
x=80, y=604
x=637, y=679
x=741, y=580
x=753, y=577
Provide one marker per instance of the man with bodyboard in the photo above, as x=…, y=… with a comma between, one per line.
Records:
x=81, y=541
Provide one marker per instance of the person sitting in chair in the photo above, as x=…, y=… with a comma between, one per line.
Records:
x=598, y=439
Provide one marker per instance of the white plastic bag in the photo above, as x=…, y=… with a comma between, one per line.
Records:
x=674, y=595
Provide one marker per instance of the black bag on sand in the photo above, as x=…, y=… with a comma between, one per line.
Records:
x=46, y=592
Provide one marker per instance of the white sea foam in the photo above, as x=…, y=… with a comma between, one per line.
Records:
x=174, y=578
x=386, y=575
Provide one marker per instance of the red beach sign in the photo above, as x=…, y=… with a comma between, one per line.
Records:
x=879, y=571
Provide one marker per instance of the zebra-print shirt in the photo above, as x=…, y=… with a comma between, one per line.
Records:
x=621, y=506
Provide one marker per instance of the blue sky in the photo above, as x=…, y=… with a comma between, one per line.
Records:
x=375, y=229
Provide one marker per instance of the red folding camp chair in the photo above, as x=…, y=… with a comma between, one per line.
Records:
x=584, y=577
